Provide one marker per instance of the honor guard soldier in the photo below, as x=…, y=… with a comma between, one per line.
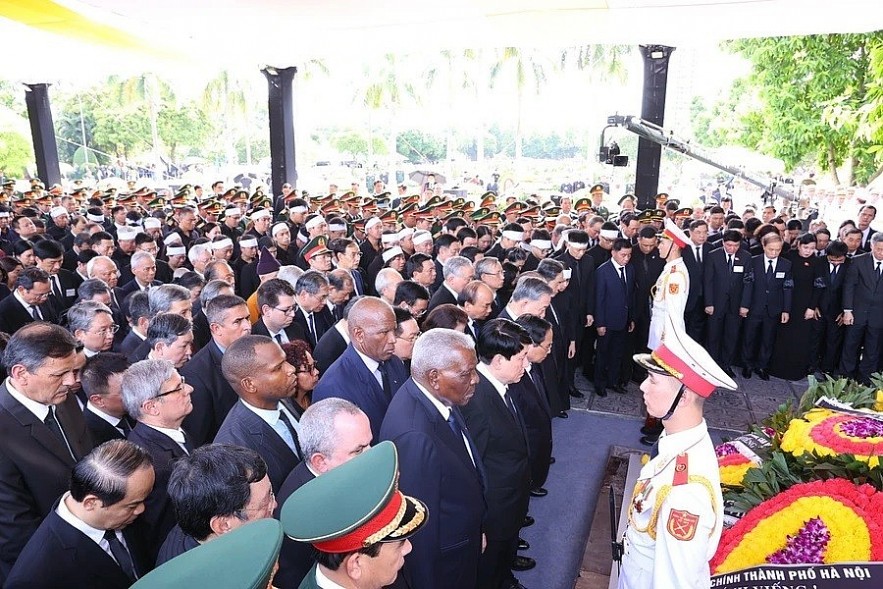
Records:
x=358, y=521
x=676, y=512
x=242, y=559
x=673, y=285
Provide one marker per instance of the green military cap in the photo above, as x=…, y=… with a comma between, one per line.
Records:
x=433, y=202
x=490, y=219
x=244, y=558
x=479, y=213
x=583, y=205
x=157, y=203
x=354, y=506
x=9, y=182
x=658, y=214
x=515, y=207
x=626, y=197
x=596, y=187
x=488, y=199
x=316, y=247
x=409, y=208
x=553, y=211
x=682, y=213
x=645, y=217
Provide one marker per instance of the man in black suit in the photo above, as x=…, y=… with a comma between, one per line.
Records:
x=829, y=339
x=158, y=398
x=144, y=272
x=42, y=431
x=89, y=540
x=313, y=316
x=62, y=283
x=457, y=271
x=863, y=313
x=368, y=374
x=28, y=302
x=215, y=490
x=278, y=308
x=105, y=415
x=614, y=315
x=766, y=302
x=213, y=397
x=695, y=254
x=139, y=320
x=724, y=277
x=333, y=432
x=866, y=216
x=498, y=430
x=258, y=420
x=438, y=459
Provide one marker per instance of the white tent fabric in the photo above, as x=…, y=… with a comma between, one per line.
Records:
x=287, y=32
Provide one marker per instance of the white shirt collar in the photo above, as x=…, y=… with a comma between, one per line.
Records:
x=371, y=363
x=93, y=534
x=38, y=409
x=114, y=421
x=271, y=416
x=342, y=331
x=442, y=408
x=450, y=290
x=177, y=435
x=500, y=387
x=512, y=312
x=615, y=265
x=23, y=303
x=766, y=262
x=324, y=582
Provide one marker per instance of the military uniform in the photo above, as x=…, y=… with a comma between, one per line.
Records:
x=669, y=298
x=675, y=516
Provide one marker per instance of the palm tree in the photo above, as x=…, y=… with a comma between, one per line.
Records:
x=452, y=72
x=146, y=89
x=385, y=89
x=226, y=95
x=526, y=68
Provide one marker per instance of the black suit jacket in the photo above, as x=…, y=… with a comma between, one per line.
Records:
x=537, y=415
x=764, y=297
x=647, y=267
x=202, y=333
x=723, y=288
x=244, y=428
x=158, y=517
x=212, y=396
x=296, y=558
x=696, y=270
x=863, y=292
x=323, y=321
x=614, y=303
x=13, y=315
x=175, y=544
x=130, y=343
x=69, y=282
x=99, y=428
x=831, y=298
x=502, y=443
x=441, y=296
x=330, y=347
x=581, y=285
x=293, y=331
x=35, y=468
x=435, y=466
x=58, y=554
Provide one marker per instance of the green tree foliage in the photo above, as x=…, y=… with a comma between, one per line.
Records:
x=16, y=153
x=803, y=101
x=182, y=126
x=418, y=146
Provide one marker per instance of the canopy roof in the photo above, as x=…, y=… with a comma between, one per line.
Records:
x=58, y=37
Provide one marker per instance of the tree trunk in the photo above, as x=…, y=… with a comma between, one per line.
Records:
x=875, y=175
x=518, y=138
x=832, y=163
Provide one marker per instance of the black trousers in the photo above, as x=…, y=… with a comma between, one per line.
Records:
x=861, y=351
x=608, y=360
x=759, y=337
x=723, y=337
x=495, y=564
x=695, y=322
x=829, y=344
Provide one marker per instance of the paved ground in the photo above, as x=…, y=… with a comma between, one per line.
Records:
x=734, y=410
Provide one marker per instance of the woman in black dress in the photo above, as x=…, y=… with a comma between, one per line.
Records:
x=792, y=353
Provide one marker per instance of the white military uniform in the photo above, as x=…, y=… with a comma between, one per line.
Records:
x=669, y=298
x=675, y=516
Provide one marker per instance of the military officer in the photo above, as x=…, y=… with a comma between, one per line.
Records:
x=676, y=512
x=361, y=537
x=670, y=292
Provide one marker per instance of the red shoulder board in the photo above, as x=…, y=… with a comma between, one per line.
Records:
x=682, y=475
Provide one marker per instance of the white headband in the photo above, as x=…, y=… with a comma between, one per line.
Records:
x=248, y=242
x=278, y=227
x=609, y=233
x=95, y=218
x=57, y=212
x=5, y=215
x=262, y=214
x=422, y=237
x=126, y=234
x=298, y=209
x=406, y=232
x=222, y=243
x=389, y=238
x=314, y=222
x=513, y=235
x=232, y=211
x=337, y=227
x=173, y=238
x=372, y=222
x=391, y=253
x=543, y=244
x=567, y=273
x=152, y=223
x=178, y=250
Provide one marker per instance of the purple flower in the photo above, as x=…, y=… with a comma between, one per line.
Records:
x=806, y=547
x=862, y=427
x=725, y=450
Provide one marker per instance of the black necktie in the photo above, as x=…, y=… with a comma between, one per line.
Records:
x=188, y=445
x=383, y=367
x=120, y=554
x=52, y=423
x=284, y=417
x=698, y=255
x=56, y=289
x=35, y=313
x=357, y=282
x=769, y=270
x=878, y=270
x=454, y=422
x=730, y=262
x=312, y=325
x=124, y=426
x=510, y=405
x=622, y=275
x=833, y=273
x=278, y=337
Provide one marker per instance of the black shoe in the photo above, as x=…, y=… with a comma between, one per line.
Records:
x=729, y=372
x=652, y=431
x=649, y=440
x=601, y=392
x=522, y=563
x=552, y=459
x=763, y=374
x=523, y=544
x=746, y=372
x=516, y=585
x=563, y=414
x=538, y=492
x=528, y=521
x=576, y=394
x=619, y=389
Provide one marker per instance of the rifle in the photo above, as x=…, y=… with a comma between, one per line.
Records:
x=616, y=546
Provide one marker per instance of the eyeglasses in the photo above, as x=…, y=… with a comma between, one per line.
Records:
x=411, y=339
x=307, y=368
x=287, y=310
x=491, y=273
x=107, y=330
x=177, y=389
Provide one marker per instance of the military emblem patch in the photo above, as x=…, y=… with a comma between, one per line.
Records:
x=682, y=525
x=673, y=288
